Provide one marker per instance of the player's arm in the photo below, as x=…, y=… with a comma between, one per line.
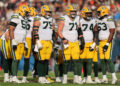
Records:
x=59, y=31
x=7, y=35
x=81, y=38
x=112, y=31
x=111, y=25
x=95, y=33
x=36, y=26
x=95, y=37
x=12, y=25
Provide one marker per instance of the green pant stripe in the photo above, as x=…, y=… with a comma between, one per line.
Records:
x=63, y=52
x=4, y=49
x=39, y=57
x=13, y=53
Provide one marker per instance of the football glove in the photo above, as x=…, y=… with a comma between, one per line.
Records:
x=39, y=45
x=91, y=48
x=65, y=46
x=36, y=49
x=105, y=47
x=14, y=44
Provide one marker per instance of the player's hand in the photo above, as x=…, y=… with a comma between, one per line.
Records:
x=39, y=45
x=105, y=47
x=92, y=47
x=14, y=44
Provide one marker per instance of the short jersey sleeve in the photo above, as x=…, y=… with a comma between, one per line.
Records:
x=110, y=22
x=62, y=18
x=37, y=18
x=15, y=19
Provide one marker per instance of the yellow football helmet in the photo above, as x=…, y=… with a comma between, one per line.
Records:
x=70, y=8
x=86, y=12
x=33, y=11
x=23, y=9
x=102, y=11
x=44, y=9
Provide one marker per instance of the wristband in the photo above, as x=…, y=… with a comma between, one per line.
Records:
x=63, y=39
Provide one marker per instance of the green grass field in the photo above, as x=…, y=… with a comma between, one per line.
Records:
x=33, y=82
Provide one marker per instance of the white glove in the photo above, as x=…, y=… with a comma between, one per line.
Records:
x=36, y=48
x=92, y=46
x=14, y=42
x=56, y=46
x=26, y=46
x=39, y=45
x=66, y=46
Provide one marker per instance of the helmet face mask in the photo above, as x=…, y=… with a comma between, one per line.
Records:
x=27, y=13
x=73, y=14
x=88, y=15
x=48, y=14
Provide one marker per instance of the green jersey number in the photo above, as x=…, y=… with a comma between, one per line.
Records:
x=72, y=26
x=25, y=25
x=102, y=26
x=46, y=24
x=86, y=26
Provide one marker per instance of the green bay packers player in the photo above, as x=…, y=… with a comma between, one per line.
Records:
x=27, y=52
x=7, y=56
x=89, y=29
x=18, y=29
x=67, y=31
x=106, y=28
x=43, y=27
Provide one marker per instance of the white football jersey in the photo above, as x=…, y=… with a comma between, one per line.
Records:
x=87, y=28
x=104, y=26
x=70, y=28
x=21, y=28
x=30, y=22
x=45, y=30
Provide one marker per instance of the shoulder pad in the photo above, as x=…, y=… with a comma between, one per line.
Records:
x=15, y=16
x=37, y=18
x=109, y=18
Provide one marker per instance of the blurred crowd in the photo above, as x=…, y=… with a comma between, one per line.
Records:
x=7, y=8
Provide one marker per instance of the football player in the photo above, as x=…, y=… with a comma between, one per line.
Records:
x=27, y=52
x=89, y=29
x=67, y=31
x=18, y=29
x=44, y=28
x=106, y=27
x=7, y=56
